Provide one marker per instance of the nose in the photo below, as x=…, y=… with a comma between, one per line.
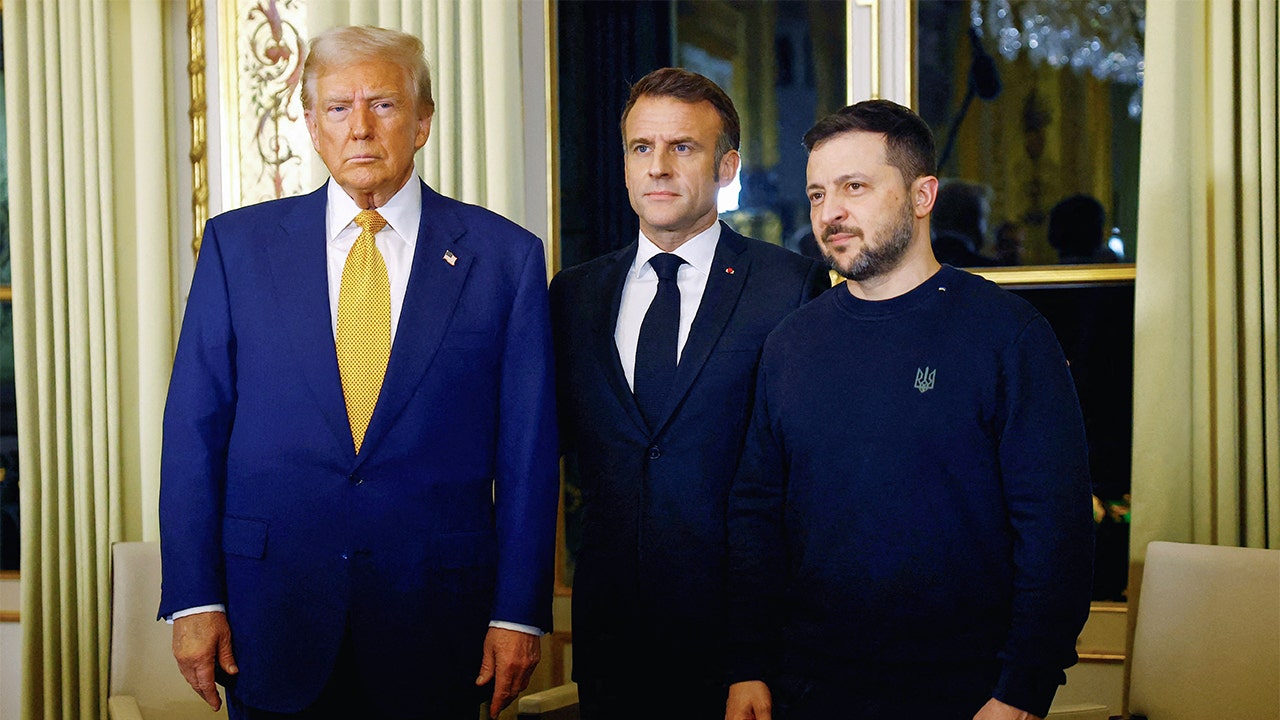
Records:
x=830, y=212
x=659, y=164
x=361, y=122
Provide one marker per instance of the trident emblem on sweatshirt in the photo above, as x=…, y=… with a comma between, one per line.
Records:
x=924, y=379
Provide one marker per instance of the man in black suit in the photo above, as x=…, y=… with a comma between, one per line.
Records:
x=657, y=346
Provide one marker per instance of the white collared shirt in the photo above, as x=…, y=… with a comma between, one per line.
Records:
x=641, y=286
x=396, y=241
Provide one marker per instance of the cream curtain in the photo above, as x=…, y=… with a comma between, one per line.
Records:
x=1206, y=455
x=476, y=149
x=88, y=214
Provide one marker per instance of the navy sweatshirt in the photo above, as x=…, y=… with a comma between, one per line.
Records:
x=914, y=493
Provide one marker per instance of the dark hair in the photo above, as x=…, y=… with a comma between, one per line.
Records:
x=689, y=87
x=908, y=138
x=1076, y=225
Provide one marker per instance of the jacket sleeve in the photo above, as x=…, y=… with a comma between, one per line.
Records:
x=757, y=561
x=197, y=426
x=526, y=488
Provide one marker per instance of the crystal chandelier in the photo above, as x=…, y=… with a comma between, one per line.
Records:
x=1103, y=37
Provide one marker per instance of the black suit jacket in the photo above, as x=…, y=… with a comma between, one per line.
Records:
x=648, y=590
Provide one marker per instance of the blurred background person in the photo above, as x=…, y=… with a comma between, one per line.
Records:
x=1077, y=230
x=1011, y=238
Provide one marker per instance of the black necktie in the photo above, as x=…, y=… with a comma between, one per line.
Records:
x=656, y=349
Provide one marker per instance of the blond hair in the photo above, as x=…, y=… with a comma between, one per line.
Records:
x=342, y=47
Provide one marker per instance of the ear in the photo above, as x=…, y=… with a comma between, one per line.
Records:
x=924, y=191
x=728, y=169
x=424, y=130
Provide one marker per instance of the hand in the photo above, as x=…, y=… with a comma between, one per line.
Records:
x=199, y=641
x=750, y=700
x=509, y=659
x=996, y=710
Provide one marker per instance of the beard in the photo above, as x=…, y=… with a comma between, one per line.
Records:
x=872, y=260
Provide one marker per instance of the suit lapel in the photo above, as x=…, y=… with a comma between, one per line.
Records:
x=728, y=275
x=604, y=323
x=300, y=275
x=433, y=291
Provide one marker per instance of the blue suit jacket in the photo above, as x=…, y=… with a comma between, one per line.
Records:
x=446, y=518
x=648, y=589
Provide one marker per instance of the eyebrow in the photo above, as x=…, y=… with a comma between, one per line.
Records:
x=370, y=97
x=649, y=141
x=840, y=180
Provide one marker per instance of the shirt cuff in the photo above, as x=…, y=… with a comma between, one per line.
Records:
x=196, y=611
x=527, y=629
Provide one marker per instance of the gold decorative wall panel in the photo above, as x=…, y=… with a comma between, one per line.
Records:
x=268, y=148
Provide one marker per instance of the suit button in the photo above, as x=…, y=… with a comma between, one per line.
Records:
x=346, y=556
x=355, y=479
x=655, y=452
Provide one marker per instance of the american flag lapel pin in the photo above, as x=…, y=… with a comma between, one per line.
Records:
x=450, y=258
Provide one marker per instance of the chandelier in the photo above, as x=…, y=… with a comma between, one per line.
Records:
x=1102, y=37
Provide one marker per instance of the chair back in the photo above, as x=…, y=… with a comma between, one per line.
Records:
x=142, y=663
x=1207, y=634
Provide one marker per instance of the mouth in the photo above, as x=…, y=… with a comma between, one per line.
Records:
x=838, y=237
x=661, y=195
x=362, y=159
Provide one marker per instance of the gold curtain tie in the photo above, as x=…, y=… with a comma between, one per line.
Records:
x=364, y=325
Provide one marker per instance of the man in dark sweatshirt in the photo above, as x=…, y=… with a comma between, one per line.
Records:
x=909, y=527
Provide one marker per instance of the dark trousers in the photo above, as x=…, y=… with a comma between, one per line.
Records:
x=344, y=698
x=669, y=698
x=916, y=692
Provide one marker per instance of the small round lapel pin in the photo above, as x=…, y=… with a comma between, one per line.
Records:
x=728, y=271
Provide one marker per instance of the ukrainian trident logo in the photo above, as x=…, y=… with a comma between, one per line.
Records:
x=924, y=379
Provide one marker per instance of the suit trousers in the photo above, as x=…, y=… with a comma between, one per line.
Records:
x=344, y=698
x=938, y=693
x=652, y=697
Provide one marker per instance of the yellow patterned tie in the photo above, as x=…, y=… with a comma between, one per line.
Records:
x=364, y=325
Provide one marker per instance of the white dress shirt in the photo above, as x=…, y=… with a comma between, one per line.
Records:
x=641, y=286
x=396, y=241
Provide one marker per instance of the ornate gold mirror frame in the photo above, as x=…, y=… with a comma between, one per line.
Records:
x=199, y=122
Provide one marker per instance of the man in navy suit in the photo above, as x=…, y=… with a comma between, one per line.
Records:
x=336, y=545
x=656, y=351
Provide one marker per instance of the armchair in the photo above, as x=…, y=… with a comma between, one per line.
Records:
x=1207, y=634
